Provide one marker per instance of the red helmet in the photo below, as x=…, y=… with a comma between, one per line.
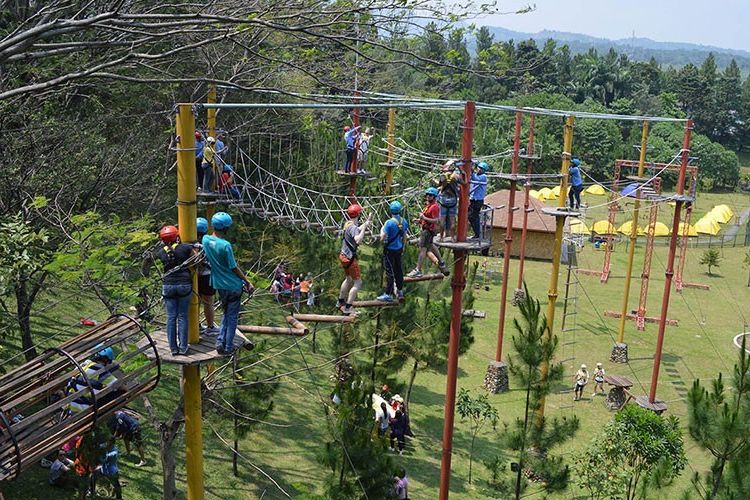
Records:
x=354, y=210
x=347, y=128
x=169, y=234
x=198, y=135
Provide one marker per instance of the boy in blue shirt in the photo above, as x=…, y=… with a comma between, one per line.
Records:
x=477, y=192
x=226, y=278
x=576, y=183
x=393, y=234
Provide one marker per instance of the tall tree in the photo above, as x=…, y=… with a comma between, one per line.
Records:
x=479, y=412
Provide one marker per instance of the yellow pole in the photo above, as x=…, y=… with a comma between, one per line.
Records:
x=391, y=138
x=559, y=224
x=186, y=215
x=633, y=238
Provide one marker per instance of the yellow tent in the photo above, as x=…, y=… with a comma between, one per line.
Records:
x=547, y=194
x=626, y=227
x=660, y=229
x=577, y=226
x=596, y=190
x=721, y=214
x=603, y=227
x=533, y=193
x=554, y=193
x=691, y=230
x=707, y=225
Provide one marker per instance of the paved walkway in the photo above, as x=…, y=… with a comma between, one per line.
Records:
x=732, y=230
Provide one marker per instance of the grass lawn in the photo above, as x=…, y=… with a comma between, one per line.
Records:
x=285, y=446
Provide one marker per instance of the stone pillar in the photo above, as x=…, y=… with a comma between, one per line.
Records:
x=496, y=379
x=619, y=353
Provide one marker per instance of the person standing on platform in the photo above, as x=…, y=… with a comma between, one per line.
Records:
x=177, y=287
x=451, y=180
x=205, y=291
x=477, y=193
x=429, y=219
x=227, y=278
x=209, y=164
x=393, y=234
x=350, y=139
x=362, y=150
x=576, y=184
x=199, y=145
x=352, y=238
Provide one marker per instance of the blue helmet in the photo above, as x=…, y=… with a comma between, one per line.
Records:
x=576, y=162
x=201, y=225
x=431, y=191
x=484, y=166
x=106, y=353
x=395, y=207
x=227, y=168
x=221, y=221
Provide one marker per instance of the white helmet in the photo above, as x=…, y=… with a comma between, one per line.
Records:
x=210, y=139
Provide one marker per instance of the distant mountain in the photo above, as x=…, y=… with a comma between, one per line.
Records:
x=639, y=49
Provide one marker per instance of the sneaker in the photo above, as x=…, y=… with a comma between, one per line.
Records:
x=400, y=295
x=416, y=273
x=220, y=350
x=213, y=330
x=141, y=463
x=443, y=269
x=386, y=297
x=183, y=352
x=228, y=352
x=348, y=311
x=175, y=353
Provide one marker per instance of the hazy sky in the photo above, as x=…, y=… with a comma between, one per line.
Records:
x=723, y=23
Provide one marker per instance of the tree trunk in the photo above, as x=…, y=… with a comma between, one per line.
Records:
x=24, y=301
x=523, y=438
x=471, y=454
x=748, y=278
x=167, y=433
x=411, y=384
x=235, y=449
x=717, y=480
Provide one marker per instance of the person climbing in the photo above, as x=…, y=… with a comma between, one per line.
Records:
x=429, y=219
x=128, y=428
x=227, y=278
x=352, y=238
x=581, y=379
x=393, y=233
x=221, y=149
x=209, y=164
x=205, y=290
x=576, y=183
x=226, y=182
x=199, y=145
x=477, y=192
x=177, y=287
x=451, y=178
x=350, y=139
x=599, y=379
x=362, y=150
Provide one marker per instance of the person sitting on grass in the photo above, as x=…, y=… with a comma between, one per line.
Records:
x=429, y=219
x=58, y=471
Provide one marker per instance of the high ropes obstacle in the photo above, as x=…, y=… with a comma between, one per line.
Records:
x=268, y=195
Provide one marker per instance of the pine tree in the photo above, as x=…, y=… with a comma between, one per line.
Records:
x=719, y=420
x=729, y=104
x=710, y=258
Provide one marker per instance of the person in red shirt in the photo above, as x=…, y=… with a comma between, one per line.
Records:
x=429, y=219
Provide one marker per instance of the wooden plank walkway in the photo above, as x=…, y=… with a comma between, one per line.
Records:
x=200, y=353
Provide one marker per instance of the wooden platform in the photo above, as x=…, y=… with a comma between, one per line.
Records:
x=361, y=175
x=424, y=277
x=647, y=319
x=467, y=246
x=657, y=406
x=200, y=353
x=561, y=212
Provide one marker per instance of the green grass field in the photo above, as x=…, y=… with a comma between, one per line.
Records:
x=285, y=446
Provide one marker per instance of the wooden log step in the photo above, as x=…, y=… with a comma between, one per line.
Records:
x=374, y=303
x=424, y=277
x=699, y=286
x=324, y=318
x=271, y=330
x=647, y=319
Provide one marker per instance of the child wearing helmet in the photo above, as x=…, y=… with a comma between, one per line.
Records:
x=226, y=182
x=429, y=219
x=205, y=290
x=227, y=278
x=581, y=379
x=451, y=178
x=209, y=164
x=477, y=192
x=393, y=234
x=351, y=239
x=177, y=287
x=576, y=183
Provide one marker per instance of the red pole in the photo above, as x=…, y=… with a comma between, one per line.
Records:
x=457, y=285
x=522, y=250
x=508, y=235
x=670, y=260
x=353, y=168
